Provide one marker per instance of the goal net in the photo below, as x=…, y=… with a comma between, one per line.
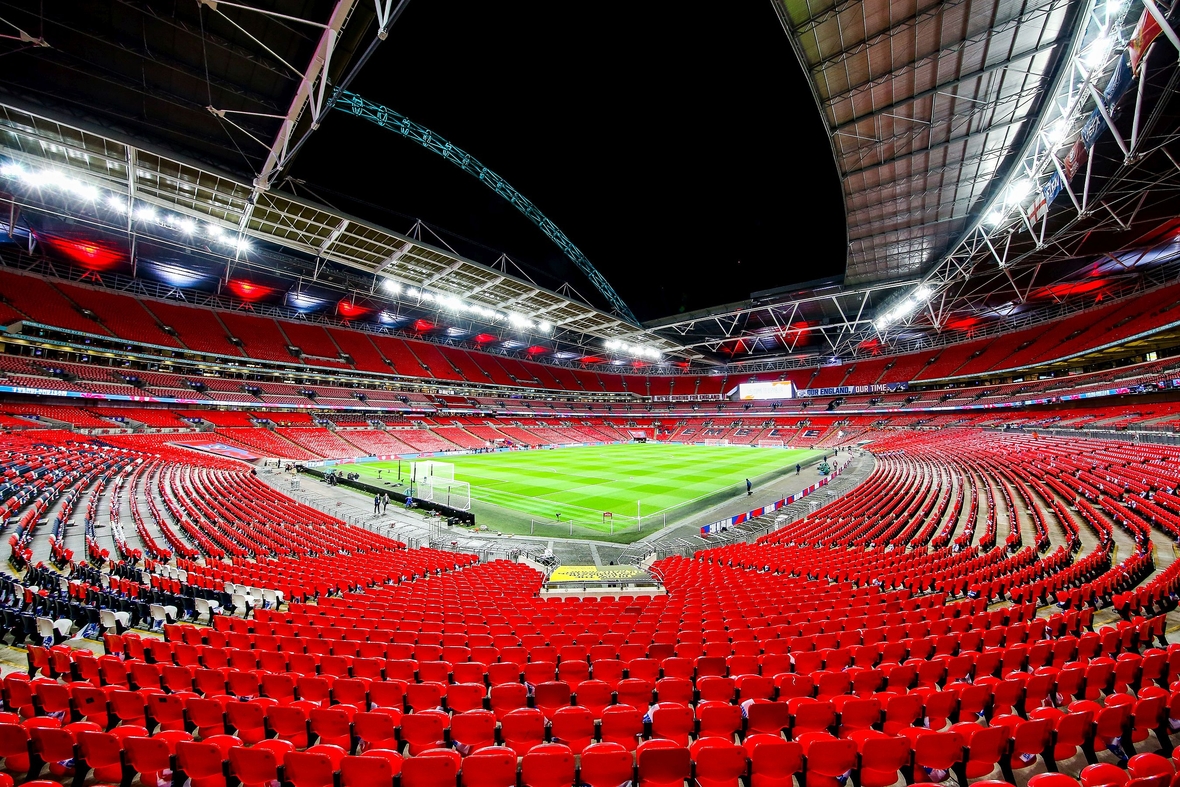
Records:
x=428, y=469
x=447, y=492
x=771, y=442
x=714, y=442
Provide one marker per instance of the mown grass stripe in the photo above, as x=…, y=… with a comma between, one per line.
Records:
x=582, y=482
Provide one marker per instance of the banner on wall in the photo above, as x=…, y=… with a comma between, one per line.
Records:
x=597, y=574
x=851, y=390
x=722, y=525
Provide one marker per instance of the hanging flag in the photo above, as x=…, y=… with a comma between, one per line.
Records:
x=1146, y=31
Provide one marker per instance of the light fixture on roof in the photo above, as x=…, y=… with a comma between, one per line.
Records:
x=456, y=305
x=302, y=301
x=1097, y=52
x=237, y=242
x=51, y=179
x=634, y=350
x=1018, y=190
x=176, y=275
x=904, y=309
x=147, y=214
x=1057, y=133
x=995, y=218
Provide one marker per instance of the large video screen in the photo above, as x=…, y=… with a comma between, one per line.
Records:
x=782, y=389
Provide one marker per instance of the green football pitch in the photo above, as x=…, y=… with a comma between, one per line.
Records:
x=658, y=482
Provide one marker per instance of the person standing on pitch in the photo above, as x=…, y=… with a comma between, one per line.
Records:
x=749, y=488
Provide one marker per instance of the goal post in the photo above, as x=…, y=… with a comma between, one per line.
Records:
x=447, y=492
x=428, y=468
x=712, y=441
x=772, y=442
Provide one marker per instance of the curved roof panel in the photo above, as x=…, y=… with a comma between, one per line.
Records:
x=926, y=102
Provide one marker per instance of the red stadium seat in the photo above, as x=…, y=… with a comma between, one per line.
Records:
x=548, y=765
x=494, y=766
x=662, y=763
x=370, y=770
x=606, y=764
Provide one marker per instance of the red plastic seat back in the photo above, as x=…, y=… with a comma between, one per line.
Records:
x=491, y=767
x=369, y=770
x=830, y=757
x=548, y=765
x=662, y=765
x=606, y=765
x=426, y=771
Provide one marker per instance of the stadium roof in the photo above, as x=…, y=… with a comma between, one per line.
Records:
x=152, y=197
x=926, y=103
x=212, y=82
x=951, y=124
x=954, y=127
x=194, y=108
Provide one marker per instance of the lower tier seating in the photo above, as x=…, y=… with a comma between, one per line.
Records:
x=937, y=624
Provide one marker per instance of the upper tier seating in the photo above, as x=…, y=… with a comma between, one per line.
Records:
x=204, y=330
x=311, y=339
x=260, y=336
x=38, y=300
x=433, y=361
x=198, y=329
x=356, y=345
x=123, y=316
x=322, y=442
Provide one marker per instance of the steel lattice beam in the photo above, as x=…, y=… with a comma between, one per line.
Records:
x=394, y=121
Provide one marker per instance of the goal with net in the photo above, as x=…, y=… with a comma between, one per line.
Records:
x=714, y=442
x=450, y=493
x=430, y=469
x=435, y=482
x=771, y=442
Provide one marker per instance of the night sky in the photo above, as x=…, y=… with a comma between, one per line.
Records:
x=677, y=146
